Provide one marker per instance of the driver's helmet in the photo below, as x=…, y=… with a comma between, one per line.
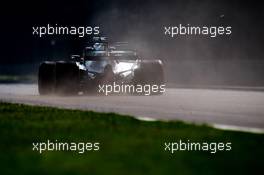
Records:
x=98, y=46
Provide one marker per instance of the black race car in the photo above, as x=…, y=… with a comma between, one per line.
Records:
x=100, y=64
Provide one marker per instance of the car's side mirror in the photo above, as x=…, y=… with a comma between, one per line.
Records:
x=76, y=58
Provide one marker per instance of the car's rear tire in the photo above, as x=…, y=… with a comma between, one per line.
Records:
x=46, y=78
x=150, y=73
x=67, y=78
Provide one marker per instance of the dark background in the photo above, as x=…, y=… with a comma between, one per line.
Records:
x=190, y=60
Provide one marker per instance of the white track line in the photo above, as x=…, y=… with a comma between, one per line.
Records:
x=217, y=126
x=239, y=128
x=147, y=119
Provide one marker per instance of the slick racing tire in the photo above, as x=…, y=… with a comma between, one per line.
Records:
x=149, y=73
x=46, y=78
x=67, y=78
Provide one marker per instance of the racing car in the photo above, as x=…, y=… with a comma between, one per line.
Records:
x=100, y=63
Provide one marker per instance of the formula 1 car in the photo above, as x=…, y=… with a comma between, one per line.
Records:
x=100, y=64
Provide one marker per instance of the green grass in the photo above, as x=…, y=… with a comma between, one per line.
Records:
x=127, y=146
x=17, y=78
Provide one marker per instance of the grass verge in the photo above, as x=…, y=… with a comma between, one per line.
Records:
x=127, y=146
x=18, y=79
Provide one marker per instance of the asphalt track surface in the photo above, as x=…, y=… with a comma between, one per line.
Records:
x=225, y=107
